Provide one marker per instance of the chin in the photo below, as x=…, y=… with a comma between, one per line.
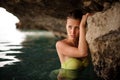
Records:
x=73, y=38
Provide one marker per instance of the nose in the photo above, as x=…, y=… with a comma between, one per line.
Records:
x=72, y=31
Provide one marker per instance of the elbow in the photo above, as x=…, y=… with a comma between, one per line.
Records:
x=83, y=54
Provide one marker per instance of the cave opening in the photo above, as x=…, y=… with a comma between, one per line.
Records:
x=8, y=31
x=7, y=21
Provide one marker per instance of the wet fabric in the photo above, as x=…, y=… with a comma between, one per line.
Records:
x=74, y=63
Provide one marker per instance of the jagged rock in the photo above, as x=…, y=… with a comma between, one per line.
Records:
x=50, y=15
x=103, y=37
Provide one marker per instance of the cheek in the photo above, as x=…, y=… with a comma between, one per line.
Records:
x=68, y=30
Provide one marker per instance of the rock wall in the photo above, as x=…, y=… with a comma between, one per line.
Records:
x=103, y=37
x=50, y=15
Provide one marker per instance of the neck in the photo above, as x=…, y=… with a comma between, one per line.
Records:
x=74, y=42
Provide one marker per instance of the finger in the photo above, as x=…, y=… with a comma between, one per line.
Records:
x=89, y=14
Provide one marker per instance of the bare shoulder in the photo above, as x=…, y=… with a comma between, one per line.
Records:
x=60, y=43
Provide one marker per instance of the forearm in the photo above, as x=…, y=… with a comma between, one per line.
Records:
x=82, y=46
x=82, y=41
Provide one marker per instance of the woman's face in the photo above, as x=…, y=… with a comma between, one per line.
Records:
x=72, y=27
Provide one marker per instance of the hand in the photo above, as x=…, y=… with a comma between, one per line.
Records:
x=84, y=20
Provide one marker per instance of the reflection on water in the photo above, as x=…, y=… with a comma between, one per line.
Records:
x=7, y=43
x=13, y=42
x=65, y=74
x=31, y=59
x=10, y=59
x=10, y=38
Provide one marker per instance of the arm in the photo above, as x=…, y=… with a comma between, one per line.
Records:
x=82, y=47
x=81, y=51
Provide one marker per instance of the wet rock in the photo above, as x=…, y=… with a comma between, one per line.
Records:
x=103, y=37
x=50, y=15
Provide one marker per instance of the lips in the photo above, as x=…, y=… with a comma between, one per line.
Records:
x=73, y=36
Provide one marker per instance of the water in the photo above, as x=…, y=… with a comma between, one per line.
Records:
x=32, y=58
x=31, y=55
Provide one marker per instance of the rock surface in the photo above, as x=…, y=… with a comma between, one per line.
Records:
x=103, y=37
x=103, y=34
x=50, y=15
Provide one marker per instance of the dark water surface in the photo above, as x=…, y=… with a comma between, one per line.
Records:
x=36, y=58
x=32, y=56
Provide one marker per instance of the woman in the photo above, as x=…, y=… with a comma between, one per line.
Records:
x=73, y=50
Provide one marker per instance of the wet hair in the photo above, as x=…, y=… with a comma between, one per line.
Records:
x=75, y=14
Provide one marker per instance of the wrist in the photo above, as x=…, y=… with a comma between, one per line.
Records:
x=82, y=26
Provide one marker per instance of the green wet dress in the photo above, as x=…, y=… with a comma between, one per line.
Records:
x=70, y=69
x=74, y=63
